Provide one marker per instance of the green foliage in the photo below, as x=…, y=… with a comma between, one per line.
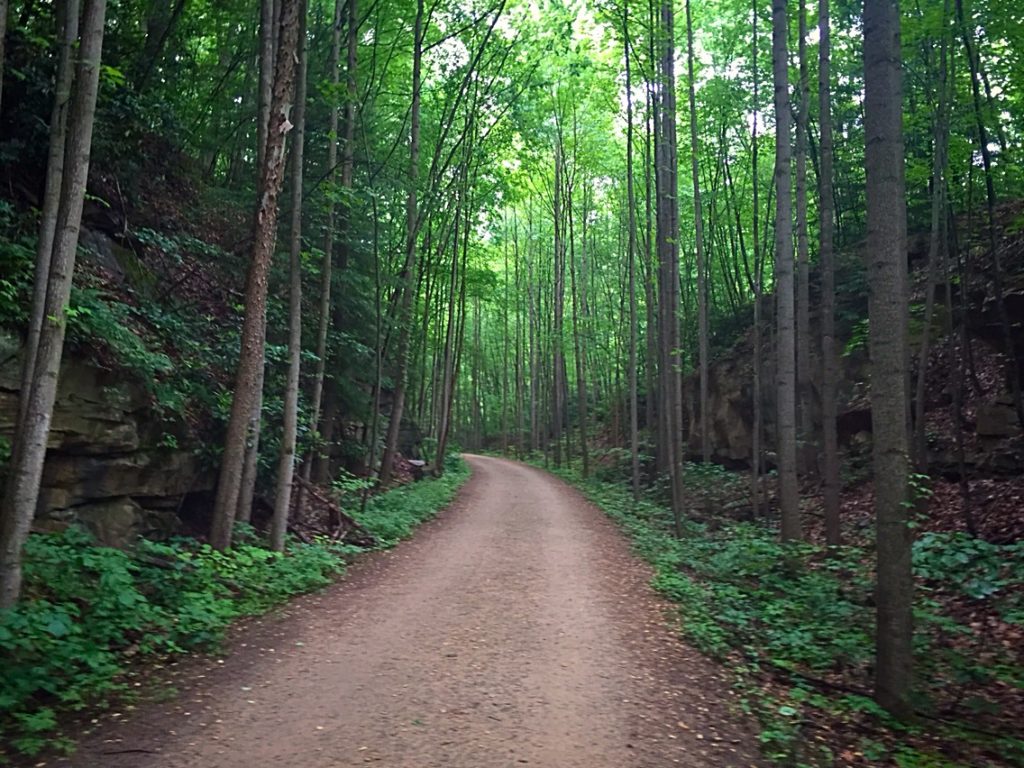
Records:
x=89, y=611
x=93, y=317
x=17, y=253
x=394, y=515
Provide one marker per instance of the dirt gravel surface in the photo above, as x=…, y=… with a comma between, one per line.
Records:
x=516, y=629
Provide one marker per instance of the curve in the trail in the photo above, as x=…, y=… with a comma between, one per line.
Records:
x=516, y=629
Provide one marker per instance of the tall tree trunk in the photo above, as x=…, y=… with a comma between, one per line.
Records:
x=286, y=460
x=408, y=279
x=826, y=213
x=789, y=494
x=668, y=250
x=268, y=34
x=250, y=463
x=805, y=423
x=21, y=493
x=250, y=360
x=887, y=260
x=67, y=24
x=327, y=265
x=758, y=426
x=702, y=278
x=578, y=351
x=631, y=367
x=559, y=302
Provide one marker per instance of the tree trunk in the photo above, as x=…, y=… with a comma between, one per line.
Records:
x=408, y=280
x=250, y=464
x=668, y=250
x=4, y=9
x=631, y=367
x=286, y=459
x=830, y=365
x=789, y=494
x=578, y=351
x=805, y=438
x=559, y=303
x=21, y=493
x=264, y=236
x=326, y=269
x=758, y=418
x=67, y=22
x=702, y=278
x=887, y=267
x=990, y=201
x=268, y=34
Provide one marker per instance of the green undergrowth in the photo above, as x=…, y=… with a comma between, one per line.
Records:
x=92, y=615
x=797, y=628
x=394, y=515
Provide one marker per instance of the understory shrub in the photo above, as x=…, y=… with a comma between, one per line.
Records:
x=394, y=515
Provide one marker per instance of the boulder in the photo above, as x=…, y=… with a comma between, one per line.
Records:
x=113, y=522
x=997, y=420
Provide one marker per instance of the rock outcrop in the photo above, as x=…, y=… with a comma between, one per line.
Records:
x=109, y=465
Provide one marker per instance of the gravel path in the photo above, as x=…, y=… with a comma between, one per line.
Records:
x=516, y=629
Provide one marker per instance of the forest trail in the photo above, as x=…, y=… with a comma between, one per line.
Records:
x=516, y=629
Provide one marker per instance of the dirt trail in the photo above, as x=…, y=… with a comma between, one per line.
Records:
x=515, y=630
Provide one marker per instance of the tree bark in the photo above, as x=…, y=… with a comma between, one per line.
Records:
x=758, y=418
x=327, y=265
x=940, y=142
x=702, y=278
x=887, y=274
x=408, y=280
x=634, y=425
x=826, y=214
x=286, y=459
x=67, y=21
x=805, y=423
x=789, y=494
x=668, y=251
x=250, y=360
x=990, y=201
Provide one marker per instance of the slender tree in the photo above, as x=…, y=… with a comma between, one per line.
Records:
x=805, y=422
x=286, y=458
x=887, y=274
x=830, y=366
x=247, y=376
x=408, y=277
x=702, y=278
x=21, y=492
x=785, y=429
x=634, y=428
x=67, y=23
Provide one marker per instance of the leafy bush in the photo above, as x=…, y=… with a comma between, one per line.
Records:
x=88, y=610
x=393, y=516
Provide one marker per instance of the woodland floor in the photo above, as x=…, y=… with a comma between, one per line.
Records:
x=517, y=628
